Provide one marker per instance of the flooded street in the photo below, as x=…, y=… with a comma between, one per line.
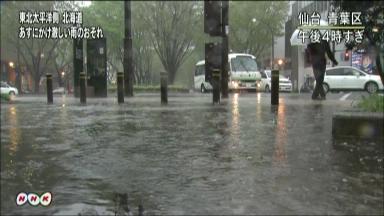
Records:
x=189, y=157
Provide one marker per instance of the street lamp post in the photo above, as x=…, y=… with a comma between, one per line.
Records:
x=63, y=79
x=273, y=41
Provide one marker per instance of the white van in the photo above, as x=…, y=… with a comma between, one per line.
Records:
x=243, y=73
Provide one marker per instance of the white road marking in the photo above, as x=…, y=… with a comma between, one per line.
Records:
x=345, y=96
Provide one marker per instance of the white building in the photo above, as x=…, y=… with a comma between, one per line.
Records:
x=295, y=55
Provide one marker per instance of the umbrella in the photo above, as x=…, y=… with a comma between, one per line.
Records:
x=296, y=41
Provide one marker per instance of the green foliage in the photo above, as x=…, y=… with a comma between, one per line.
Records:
x=5, y=97
x=172, y=24
x=372, y=17
x=110, y=17
x=373, y=103
x=253, y=23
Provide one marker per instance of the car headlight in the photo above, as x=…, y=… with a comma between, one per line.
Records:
x=235, y=84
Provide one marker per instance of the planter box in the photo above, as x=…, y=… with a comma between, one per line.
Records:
x=358, y=125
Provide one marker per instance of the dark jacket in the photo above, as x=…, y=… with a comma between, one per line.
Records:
x=317, y=53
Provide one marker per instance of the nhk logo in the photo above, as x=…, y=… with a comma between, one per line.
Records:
x=33, y=199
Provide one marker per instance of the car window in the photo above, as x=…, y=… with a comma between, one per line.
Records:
x=358, y=73
x=263, y=75
x=3, y=85
x=243, y=63
x=202, y=70
x=199, y=70
x=349, y=72
x=335, y=72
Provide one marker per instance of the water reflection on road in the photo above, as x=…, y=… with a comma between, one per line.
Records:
x=240, y=157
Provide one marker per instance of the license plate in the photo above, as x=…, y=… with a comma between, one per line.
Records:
x=249, y=85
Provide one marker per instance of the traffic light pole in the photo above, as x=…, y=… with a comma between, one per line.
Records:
x=128, y=68
x=216, y=86
x=333, y=51
x=224, y=62
x=78, y=61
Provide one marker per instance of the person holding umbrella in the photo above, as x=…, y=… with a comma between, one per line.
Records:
x=317, y=50
x=317, y=53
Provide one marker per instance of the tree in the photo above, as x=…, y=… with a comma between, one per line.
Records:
x=62, y=61
x=373, y=20
x=110, y=17
x=37, y=55
x=172, y=24
x=252, y=23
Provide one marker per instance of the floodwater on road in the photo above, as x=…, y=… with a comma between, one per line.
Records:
x=187, y=157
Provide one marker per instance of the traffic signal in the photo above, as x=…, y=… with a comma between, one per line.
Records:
x=346, y=55
x=212, y=61
x=212, y=18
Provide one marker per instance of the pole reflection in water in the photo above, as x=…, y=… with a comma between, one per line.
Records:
x=279, y=155
x=258, y=107
x=235, y=127
x=14, y=131
x=258, y=97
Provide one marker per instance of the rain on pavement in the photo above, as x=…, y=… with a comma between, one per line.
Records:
x=188, y=157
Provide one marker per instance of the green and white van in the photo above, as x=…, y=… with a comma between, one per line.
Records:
x=243, y=73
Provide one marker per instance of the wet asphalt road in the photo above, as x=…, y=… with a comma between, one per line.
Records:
x=189, y=157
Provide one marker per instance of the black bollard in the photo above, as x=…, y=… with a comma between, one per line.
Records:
x=275, y=87
x=141, y=210
x=49, y=89
x=164, y=87
x=83, y=93
x=120, y=87
x=216, y=86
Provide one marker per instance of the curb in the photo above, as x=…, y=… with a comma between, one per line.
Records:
x=360, y=125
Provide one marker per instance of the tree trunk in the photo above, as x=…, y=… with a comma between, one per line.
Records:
x=171, y=75
x=37, y=83
x=18, y=69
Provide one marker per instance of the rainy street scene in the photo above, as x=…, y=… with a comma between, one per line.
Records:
x=192, y=108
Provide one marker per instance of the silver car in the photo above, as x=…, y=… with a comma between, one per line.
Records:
x=351, y=78
x=284, y=83
x=7, y=89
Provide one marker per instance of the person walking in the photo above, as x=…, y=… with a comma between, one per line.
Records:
x=317, y=53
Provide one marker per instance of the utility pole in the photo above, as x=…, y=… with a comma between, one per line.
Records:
x=224, y=62
x=128, y=67
x=273, y=50
x=333, y=51
x=78, y=64
x=213, y=51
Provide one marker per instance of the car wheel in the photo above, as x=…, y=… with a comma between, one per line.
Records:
x=12, y=93
x=267, y=89
x=326, y=87
x=203, y=89
x=371, y=87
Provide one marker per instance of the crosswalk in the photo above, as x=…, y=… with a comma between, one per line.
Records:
x=345, y=96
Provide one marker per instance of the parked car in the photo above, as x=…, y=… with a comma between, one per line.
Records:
x=351, y=78
x=284, y=83
x=7, y=89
